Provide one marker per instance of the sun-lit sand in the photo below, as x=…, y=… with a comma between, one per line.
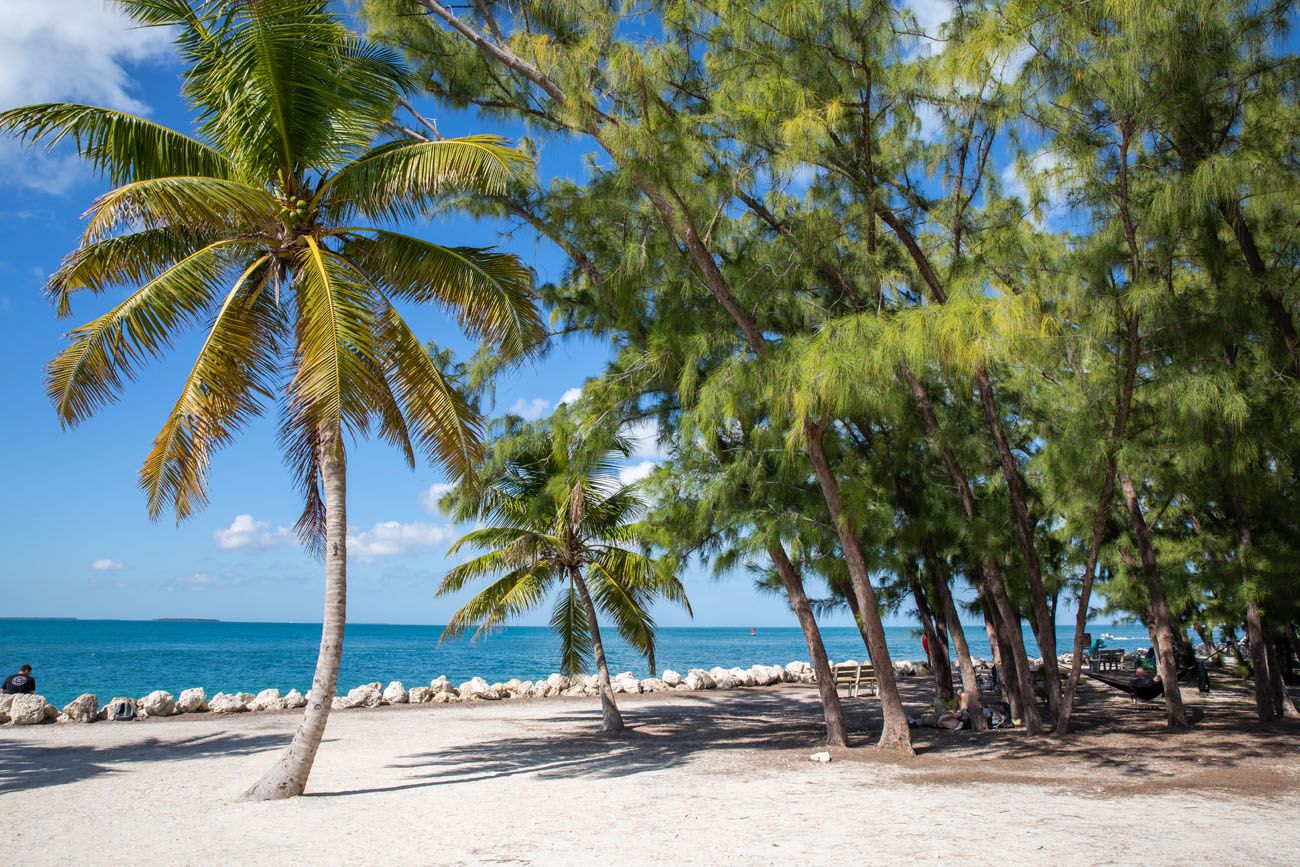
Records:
x=717, y=778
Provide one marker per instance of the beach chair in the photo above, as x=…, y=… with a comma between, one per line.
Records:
x=856, y=677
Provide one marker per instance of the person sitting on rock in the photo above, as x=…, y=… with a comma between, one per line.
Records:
x=22, y=682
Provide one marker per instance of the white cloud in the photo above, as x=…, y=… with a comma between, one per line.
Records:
x=199, y=581
x=106, y=564
x=392, y=538
x=69, y=51
x=248, y=532
x=530, y=410
x=435, y=492
x=571, y=396
x=930, y=14
x=634, y=473
x=642, y=435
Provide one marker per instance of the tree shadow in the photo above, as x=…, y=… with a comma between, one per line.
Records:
x=25, y=765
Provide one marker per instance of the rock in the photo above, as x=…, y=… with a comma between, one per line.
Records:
x=83, y=709
x=796, y=668
x=5, y=702
x=158, y=703
x=245, y=697
x=672, y=678
x=106, y=712
x=822, y=757
x=226, y=703
x=294, y=700
x=366, y=695
x=444, y=697
x=741, y=677
x=512, y=686
x=558, y=681
x=27, y=710
x=339, y=702
x=267, y=699
x=698, y=678
x=441, y=684
x=525, y=689
x=472, y=688
x=395, y=693
x=625, y=682
x=51, y=712
x=903, y=668
x=653, y=684
x=420, y=695
x=192, y=701
x=920, y=670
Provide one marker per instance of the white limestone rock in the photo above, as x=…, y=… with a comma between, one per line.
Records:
x=293, y=700
x=366, y=695
x=82, y=709
x=194, y=700
x=28, y=710
x=796, y=668
x=445, y=697
x=472, y=688
x=395, y=693
x=5, y=702
x=339, y=702
x=267, y=699
x=920, y=670
x=671, y=678
x=226, y=703
x=559, y=681
x=821, y=758
x=903, y=668
x=653, y=684
x=419, y=695
x=698, y=678
x=158, y=703
x=441, y=684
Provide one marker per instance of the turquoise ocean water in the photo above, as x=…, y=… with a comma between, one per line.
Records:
x=131, y=658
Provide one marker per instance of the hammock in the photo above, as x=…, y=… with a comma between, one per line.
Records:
x=1148, y=692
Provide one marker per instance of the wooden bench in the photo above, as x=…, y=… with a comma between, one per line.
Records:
x=1108, y=660
x=856, y=677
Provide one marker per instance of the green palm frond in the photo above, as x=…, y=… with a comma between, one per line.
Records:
x=188, y=203
x=231, y=378
x=401, y=180
x=623, y=593
x=513, y=594
x=120, y=260
x=89, y=373
x=123, y=147
x=569, y=621
x=490, y=293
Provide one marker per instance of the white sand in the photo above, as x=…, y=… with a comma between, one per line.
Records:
x=715, y=778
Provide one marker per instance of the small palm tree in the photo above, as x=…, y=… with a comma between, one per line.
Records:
x=558, y=522
x=258, y=227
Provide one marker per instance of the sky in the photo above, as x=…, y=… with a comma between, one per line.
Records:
x=77, y=539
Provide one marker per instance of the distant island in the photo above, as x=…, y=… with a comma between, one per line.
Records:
x=186, y=620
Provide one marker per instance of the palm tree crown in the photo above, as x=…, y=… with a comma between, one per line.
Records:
x=260, y=226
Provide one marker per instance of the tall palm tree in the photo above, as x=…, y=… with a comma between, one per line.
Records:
x=558, y=522
x=259, y=228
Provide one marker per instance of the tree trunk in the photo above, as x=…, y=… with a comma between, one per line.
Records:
x=936, y=653
x=1007, y=619
x=894, y=734
x=1281, y=698
x=1044, y=628
x=1085, y=596
x=970, y=685
x=1264, y=706
x=999, y=650
x=1162, y=625
x=288, y=777
x=851, y=598
x=610, y=719
x=836, y=730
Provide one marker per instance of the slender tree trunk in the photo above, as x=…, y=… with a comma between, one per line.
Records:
x=1007, y=619
x=1162, y=620
x=936, y=654
x=288, y=777
x=610, y=719
x=1281, y=698
x=1264, y=706
x=894, y=734
x=836, y=730
x=851, y=599
x=970, y=685
x=1010, y=664
x=1085, y=597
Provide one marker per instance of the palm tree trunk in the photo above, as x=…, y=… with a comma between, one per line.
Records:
x=288, y=777
x=836, y=730
x=610, y=719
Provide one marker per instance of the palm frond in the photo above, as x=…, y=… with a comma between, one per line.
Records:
x=513, y=594
x=231, y=378
x=619, y=589
x=569, y=621
x=401, y=180
x=195, y=204
x=490, y=293
x=89, y=373
x=121, y=146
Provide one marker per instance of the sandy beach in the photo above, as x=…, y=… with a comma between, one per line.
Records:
x=718, y=777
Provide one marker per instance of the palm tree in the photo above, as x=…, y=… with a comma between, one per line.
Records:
x=259, y=228
x=558, y=522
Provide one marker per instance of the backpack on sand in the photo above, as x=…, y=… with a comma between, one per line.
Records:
x=123, y=711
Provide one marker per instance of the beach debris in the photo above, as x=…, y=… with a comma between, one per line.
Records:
x=226, y=703
x=671, y=678
x=822, y=757
x=395, y=693
x=82, y=709
x=267, y=699
x=193, y=700
x=30, y=710
x=294, y=699
x=158, y=703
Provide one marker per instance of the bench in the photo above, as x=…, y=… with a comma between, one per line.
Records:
x=856, y=677
x=1108, y=660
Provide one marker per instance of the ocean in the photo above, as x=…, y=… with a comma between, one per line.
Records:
x=132, y=657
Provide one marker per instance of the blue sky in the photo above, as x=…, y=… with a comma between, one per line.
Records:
x=77, y=539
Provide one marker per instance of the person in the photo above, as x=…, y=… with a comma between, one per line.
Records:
x=925, y=645
x=1096, y=647
x=22, y=682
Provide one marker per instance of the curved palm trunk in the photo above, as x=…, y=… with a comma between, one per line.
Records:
x=610, y=719
x=288, y=777
x=836, y=730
